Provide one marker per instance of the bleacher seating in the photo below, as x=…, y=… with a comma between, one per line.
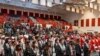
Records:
x=31, y=21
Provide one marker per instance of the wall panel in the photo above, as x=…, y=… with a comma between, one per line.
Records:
x=87, y=22
x=93, y=22
x=82, y=23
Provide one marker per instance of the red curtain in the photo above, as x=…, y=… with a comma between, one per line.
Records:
x=87, y=22
x=82, y=23
x=93, y=22
x=98, y=21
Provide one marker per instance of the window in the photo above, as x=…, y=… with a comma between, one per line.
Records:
x=98, y=1
x=73, y=9
x=68, y=8
x=77, y=10
x=43, y=2
x=91, y=5
x=23, y=0
x=99, y=8
x=57, y=1
x=95, y=6
x=64, y=0
x=82, y=11
x=35, y=1
x=49, y=3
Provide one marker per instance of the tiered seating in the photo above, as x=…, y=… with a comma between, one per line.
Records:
x=54, y=23
x=42, y=21
x=27, y=20
x=3, y=18
x=23, y=18
x=31, y=21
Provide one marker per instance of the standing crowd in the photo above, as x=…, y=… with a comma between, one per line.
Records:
x=25, y=40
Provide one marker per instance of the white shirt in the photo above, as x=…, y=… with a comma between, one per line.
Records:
x=62, y=47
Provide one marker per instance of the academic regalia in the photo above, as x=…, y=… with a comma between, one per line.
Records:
x=99, y=41
x=96, y=44
x=91, y=45
x=99, y=45
x=81, y=41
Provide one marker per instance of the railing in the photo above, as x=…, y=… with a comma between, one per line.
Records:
x=24, y=4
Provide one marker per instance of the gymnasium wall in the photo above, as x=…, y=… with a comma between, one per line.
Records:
x=87, y=22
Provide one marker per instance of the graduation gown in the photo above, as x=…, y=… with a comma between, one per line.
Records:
x=91, y=45
x=81, y=41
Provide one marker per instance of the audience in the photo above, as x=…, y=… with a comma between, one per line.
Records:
x=25, y=40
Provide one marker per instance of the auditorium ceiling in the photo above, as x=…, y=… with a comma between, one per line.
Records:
x=58, y=6
x=77, y=6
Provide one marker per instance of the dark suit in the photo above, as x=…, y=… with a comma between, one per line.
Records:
x=78, y=50
x=7, y=50
x=68, y=51
x=29, y=52
x=99, y=53
x=58, y=51
x=45, y=52
x=41, y=46
x=86, y=50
